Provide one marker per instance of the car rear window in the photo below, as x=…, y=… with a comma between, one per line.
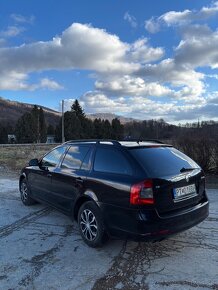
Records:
x=162, y=161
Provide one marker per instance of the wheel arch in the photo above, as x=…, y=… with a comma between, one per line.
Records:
x=23, y=176
x=87, y=196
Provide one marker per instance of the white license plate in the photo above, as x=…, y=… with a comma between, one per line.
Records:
x=185, y=190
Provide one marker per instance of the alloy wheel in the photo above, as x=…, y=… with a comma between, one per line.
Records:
x=24, y=191
x=88, y=224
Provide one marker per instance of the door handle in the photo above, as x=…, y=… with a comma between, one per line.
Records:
x=79, y=180
x=49, y=175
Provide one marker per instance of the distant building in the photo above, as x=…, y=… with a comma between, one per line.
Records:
x=50, y=139
x=12, y=138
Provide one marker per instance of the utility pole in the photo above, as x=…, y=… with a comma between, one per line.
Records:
x=63, y=138
x=38, y=129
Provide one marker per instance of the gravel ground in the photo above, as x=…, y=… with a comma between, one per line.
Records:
x=42, y=249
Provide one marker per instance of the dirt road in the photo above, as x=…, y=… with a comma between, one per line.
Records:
x=41, y=249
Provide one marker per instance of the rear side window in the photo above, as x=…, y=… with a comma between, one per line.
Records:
x=52, y=159
x=75, y=156
x=162, y=161
x=111, y=161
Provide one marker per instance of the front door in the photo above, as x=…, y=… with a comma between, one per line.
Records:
x=40, y=177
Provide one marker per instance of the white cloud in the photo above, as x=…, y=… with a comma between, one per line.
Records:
x=173, y=18
x=16, y=81
x=98, y=102
x=132, y=86
x=67, y=104
x=213, y=76
x=94, y=101
x=80, y=46
x=142, y=52
x=13, y=81
x=18, y=18
x=176, y=18
x=83, y=47
x=152, y=25
x=213, y=99
x=143, y=108
x=49, y=84
x=198, y=51
x=131, y=19
x=11, y=31
x=16, y=29
x=187, y=82
x=195, y=30
x=207, y=12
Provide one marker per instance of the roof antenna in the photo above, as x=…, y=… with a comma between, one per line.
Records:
x=139, y=139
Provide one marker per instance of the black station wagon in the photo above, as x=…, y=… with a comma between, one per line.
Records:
x=138, y=190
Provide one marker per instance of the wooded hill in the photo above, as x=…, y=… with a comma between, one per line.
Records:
x=11, y=111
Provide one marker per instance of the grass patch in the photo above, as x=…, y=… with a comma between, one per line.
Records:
x=15, y=157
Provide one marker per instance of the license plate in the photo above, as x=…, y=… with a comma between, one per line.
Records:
x=183, y=191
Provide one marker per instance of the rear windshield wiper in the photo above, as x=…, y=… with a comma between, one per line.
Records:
x=183, y=169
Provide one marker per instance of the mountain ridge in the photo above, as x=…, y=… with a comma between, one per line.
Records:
x=11, y=111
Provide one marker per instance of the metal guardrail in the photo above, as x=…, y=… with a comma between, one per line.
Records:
x=30, y=145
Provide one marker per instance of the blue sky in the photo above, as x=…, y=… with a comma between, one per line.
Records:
x=141, y=59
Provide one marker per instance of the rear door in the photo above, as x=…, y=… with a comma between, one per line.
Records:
x=112, y=175
x=178, y=181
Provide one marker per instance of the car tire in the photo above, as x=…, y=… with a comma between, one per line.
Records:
x=91, y=225
x=25, y=193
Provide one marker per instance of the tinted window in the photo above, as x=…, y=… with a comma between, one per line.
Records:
x=113, y=161
x=162, y=161
x=75, y=156
x=52, y=158
x=86, y=164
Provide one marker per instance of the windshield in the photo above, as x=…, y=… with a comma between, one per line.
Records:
x=162, y=161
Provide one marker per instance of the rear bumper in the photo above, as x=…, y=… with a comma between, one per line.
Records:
x=148, y=224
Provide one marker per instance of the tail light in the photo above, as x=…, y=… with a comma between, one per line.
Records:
x=142, y=193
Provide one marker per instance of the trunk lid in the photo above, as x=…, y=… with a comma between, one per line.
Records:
x=179, y=191
x=178, y=181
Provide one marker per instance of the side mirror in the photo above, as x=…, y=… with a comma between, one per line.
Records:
x=34, y=162
x=44, y=167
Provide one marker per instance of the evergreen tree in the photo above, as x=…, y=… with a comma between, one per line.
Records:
x=87, y=129
x=78, y=110
x=86, y=126
x=31, y=127
x=35, y=124
x=97, y=128
x=50, y=130
x=117, y=129
x=106, y=129
x=39, y=124
x=3, y=135
x=42, y=127
x=72, y=126
x=25, y=129
x=58, y=133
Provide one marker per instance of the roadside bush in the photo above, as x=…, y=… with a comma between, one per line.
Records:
x=215, y=155
x=200, y=149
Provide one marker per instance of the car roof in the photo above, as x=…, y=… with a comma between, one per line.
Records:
x=124, y=143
